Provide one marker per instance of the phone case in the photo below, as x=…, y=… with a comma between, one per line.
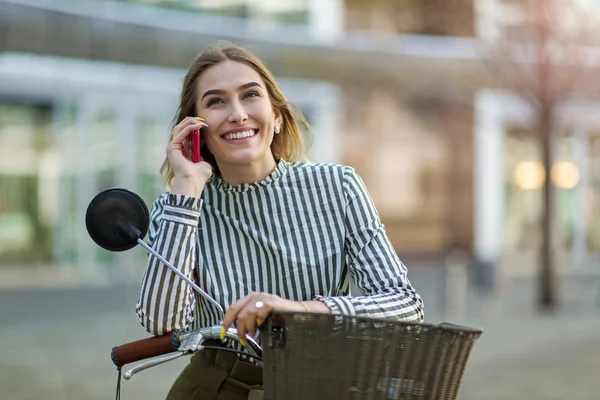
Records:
x=196, y=147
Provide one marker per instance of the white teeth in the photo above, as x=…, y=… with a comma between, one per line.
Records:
x=239, y=135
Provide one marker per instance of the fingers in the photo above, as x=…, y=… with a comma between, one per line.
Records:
x=181, y=142
x=249, y=312
x=252, y=316
x=188, y=148
x=189, y=121
x=247, y=323
x=185, y=146
x=263, y=313
x=185, y=127
x=232, y=313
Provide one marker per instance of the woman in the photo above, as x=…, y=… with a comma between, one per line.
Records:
x=257, y=227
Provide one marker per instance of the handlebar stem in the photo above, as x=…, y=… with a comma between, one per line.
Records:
x=197, y=288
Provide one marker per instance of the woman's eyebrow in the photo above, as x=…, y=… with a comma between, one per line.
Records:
x=219, y=91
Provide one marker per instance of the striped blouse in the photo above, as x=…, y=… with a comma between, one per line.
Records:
x=300, y=233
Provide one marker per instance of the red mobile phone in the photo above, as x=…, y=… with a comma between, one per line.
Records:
x=196, y=157
x=196, y=147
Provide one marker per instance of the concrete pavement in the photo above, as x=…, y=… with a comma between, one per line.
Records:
x=55, y=342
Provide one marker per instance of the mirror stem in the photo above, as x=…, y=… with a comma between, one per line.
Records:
x=197, y=288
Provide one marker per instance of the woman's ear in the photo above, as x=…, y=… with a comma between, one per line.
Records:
x=278, y=115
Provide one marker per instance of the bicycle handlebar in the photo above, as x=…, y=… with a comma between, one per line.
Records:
x=177, y=341
x=145, y=348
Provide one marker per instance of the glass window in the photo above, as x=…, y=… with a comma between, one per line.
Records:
x=593, y=194
x=576, y=20
x=24, y=141
x=429, y=17
x=290, y=11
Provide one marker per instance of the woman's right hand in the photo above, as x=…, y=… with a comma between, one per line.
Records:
x=189, y=177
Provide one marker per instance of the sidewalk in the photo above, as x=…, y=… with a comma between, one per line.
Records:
x=561, y=363
x=55, y=343
x=525, y=355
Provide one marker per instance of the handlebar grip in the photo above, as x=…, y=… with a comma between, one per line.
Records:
x=145, y=348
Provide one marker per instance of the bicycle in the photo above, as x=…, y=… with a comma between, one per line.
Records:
x=303, y=355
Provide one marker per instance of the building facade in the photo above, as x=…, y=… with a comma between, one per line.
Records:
x=407, y=92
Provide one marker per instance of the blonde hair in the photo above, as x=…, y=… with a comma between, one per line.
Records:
x=288, y=145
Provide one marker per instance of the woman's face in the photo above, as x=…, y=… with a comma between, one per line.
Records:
x=233, y=100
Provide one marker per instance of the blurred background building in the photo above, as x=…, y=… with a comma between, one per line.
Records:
x=418, y=95
x=445, y=107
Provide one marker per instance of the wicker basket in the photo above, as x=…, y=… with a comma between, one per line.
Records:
x=316, y=356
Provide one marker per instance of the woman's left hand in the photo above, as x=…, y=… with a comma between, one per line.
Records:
x=252, y=310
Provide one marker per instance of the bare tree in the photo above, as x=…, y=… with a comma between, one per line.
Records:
x=544, y=60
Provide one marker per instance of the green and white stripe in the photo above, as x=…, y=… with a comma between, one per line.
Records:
x=299, y=233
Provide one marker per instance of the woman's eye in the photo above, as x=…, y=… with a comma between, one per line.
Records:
x=214, y=100
x=252, y=93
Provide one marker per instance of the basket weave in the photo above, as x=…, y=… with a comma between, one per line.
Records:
x=316, y=356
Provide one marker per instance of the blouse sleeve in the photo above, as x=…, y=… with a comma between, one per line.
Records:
x=373, y=263
x=166, y=302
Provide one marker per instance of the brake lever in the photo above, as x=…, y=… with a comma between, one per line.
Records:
x=152, y=363
x=192, y=342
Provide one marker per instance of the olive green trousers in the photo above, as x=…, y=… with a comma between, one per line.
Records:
x=218, y=375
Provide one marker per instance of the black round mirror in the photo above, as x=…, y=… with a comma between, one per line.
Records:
x=116, y=218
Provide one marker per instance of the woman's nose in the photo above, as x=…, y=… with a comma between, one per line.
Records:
x=237, y=114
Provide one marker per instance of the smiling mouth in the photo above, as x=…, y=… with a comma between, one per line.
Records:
x=240, y=135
